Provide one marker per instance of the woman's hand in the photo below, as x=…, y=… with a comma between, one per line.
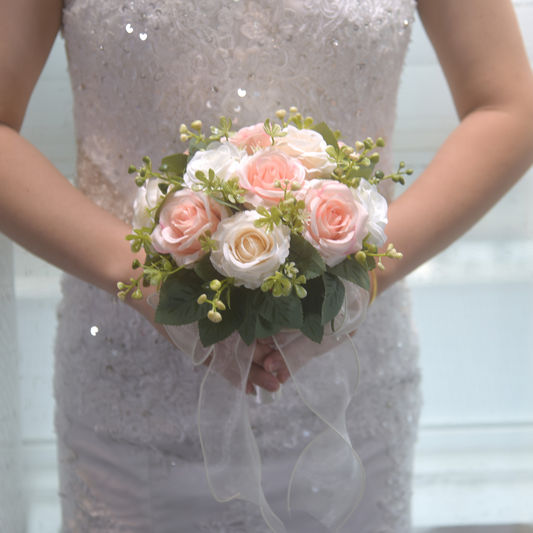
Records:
x=268, y=369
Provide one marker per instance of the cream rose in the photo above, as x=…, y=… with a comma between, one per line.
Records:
x=310, y=148
x=185, y=216
x=251, y=138
x=337, y=222
x=248, y=253
x=148, y=196
x=223, y=158
x=258, y=174
x=376, y=207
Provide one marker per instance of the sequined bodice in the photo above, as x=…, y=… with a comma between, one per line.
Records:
x=140, y=68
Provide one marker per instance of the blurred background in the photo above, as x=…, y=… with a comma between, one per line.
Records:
x=472, y=305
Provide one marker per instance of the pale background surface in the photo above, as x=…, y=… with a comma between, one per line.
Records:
x=474, y=461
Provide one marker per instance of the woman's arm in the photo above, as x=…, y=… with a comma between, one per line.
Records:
x=479, y=46
x=39, y=208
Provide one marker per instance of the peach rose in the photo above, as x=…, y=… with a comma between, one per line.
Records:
x=337, y=222
x=185, y=216
x=258, y=174
x=251, y=138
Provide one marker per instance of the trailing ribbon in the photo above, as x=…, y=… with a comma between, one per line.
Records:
x=328, y=478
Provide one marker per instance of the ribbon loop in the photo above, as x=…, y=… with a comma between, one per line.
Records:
x=328, y=478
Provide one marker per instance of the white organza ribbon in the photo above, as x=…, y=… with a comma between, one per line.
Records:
x=328, y=478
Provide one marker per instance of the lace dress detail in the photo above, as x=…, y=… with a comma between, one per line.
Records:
x=139, y=69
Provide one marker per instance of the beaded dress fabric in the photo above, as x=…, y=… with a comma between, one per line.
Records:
x=130, y=457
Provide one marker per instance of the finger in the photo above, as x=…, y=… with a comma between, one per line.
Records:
x=261, y=352
x=260, y=377
x=283, y=377
x=274, y=362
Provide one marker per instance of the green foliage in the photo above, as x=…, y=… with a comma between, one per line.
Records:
x=222, y=130
x=176, y=164
x=351, y=270
x=312, y=310
x=269, y=218
x=228, y=192
x=326, y=132
x=333, y=297
x=211, y=332
x=363, y=169
x=306, y=257
x=247, y=328
x=194, y=146
x=370, y=263
x=285, y=311
x=264, y=328
x=178, y=300
x=206, y=271
x=273, y=130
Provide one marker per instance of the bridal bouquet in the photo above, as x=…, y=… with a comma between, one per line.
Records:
x=267, y=232
x=253, y=231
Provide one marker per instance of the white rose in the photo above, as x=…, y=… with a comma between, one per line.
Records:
x=148, y=196
x=223, y=158
x=247, y=253
x=310, y=148
x=377, y=207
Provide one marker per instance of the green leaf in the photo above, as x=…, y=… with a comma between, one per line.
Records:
x=306, y=257
x=247, y=329
x=194, y=146
x=211, y=333
x=363, y=172
x=285, y=311
x=177, y=163
x=265, y=328
x=325, y=131
x=312, y=306
x=333, y=297
x=205, y=269
x=352, y=271
x=238, y=304
x=370, y=262
x=178, y=300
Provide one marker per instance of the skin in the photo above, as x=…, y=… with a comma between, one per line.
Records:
x=51, y=221
x=482, y=55
x=479, y=46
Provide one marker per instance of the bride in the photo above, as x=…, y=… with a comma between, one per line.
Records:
x=129, y=454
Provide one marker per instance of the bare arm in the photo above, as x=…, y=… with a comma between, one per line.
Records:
x=39, y=208
x=481, y=52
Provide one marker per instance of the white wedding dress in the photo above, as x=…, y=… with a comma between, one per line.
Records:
x=129, y=453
